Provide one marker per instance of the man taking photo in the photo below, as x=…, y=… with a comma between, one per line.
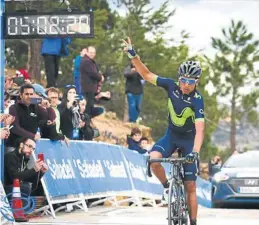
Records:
x=16, y=167
x=28, y=117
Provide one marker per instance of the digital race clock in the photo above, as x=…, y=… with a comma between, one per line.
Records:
x=40, y=25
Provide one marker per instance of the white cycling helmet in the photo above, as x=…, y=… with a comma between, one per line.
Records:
x=190, y=69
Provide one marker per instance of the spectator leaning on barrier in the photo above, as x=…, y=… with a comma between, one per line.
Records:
x=134, y=141
x=134, y=91
x=77, y=62
x=48, y=130
x=143, y=143
x=28, y=117
x=90, y=77
x=52, y=49
x=15, y=167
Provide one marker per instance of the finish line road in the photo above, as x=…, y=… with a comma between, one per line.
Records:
x=147, y=216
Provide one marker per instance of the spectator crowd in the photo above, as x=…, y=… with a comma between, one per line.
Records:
x=32, y=112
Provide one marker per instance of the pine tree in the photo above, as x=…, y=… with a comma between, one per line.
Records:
x=233, y=69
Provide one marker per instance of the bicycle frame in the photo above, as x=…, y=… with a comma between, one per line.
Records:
x=177, y=207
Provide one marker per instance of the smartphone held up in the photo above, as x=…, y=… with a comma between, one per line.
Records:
x=35, y=100
x=41, y=156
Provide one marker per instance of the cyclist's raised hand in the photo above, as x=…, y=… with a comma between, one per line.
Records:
x=191, y=157
x=144, y=72
x=128, y=48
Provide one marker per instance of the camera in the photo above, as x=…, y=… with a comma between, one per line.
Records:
x=75, y=103
x=77, y=99
x=35, y=100
x=18, y=80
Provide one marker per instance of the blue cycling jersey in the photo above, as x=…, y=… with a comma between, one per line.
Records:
x=184, y=110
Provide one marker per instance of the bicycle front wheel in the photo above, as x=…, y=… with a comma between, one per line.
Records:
x=183, y=210
x=176, y=212
x=172, y=204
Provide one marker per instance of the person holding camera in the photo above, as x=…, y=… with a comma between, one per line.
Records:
x=16, y=167
x=88, y=131
x=70, y=121
x=29, y=116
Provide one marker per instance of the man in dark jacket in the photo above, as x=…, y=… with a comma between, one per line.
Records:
x=134, y=91
x=16, y=167
x=28, y=117
x=90, y=77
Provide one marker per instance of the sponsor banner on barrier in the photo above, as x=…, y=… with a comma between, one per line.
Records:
x=86, y=168
x=137, y=167
x=94, y=168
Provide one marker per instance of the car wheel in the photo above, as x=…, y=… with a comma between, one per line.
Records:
x=215, y=205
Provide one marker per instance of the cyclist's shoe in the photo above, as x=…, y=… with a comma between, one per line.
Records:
x=193, y=222
x=185, y=221
x=165, y=196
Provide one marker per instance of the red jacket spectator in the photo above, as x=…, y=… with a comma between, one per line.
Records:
x=24, y=73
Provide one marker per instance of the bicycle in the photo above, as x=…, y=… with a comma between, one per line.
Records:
x=177, y=206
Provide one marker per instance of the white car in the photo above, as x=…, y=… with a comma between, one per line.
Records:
x=237, y=181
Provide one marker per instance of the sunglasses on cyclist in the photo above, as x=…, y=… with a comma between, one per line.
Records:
x=187, y=81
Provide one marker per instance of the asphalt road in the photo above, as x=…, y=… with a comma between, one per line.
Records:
x=148, y=216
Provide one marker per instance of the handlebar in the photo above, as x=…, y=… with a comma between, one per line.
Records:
x=166, y=160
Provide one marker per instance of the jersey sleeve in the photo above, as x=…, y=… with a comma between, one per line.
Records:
x=199, y=108
x=166, y=83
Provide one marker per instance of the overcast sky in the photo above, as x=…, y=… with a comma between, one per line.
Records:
x=205, y=18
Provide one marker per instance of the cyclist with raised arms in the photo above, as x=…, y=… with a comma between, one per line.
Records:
x=185, y=123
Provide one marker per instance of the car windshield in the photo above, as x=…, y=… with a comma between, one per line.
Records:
x=248, y=160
